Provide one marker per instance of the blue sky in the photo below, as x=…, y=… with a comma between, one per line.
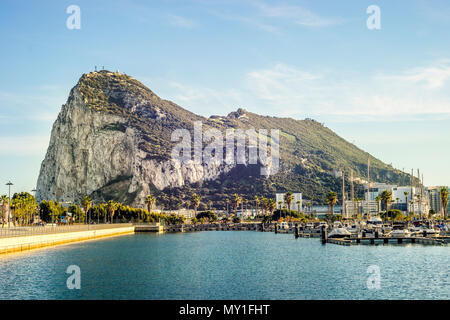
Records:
x=385, y=90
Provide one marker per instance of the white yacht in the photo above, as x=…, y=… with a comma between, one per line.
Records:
x=420, y=231
x=339, y=233
x=337, y=224
x=400, y=233
x=283, y=227
x=353, y=229
x=375, y=220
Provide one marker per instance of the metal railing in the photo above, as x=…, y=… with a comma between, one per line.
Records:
x=8, y=232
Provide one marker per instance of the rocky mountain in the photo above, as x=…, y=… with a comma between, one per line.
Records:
x=112, y=140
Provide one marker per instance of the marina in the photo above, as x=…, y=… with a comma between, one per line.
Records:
x=365, y=236
x=370, y=233
x=225, y=265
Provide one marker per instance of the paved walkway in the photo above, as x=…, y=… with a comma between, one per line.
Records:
x=6, y=232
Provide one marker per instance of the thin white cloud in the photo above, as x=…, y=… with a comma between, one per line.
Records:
x=249, y=20
x=41, y=104
x=432, y=77
x=23, y=146
x=202, y=100
x=272, y=18
x=280, y=83
x=297, y=14
x=181, y=22
x=285, y=90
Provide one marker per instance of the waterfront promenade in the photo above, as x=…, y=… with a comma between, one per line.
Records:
x=27, y=238
x=21, y=231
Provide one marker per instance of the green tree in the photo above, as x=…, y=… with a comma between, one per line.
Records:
x=210, y=203
x=288, y=198
x=257, y=201
x=25, y=208
x=51, y=211
x=386, y=197
x=207, y=215
x=77, y=213
x=406, y=193
x=150, y=201
x=271, y=205
x=3, y=201
x=86, y=203
x=195, y=201
x=112, y=208
x=236, y=200
x=331, y=201
x=444, y=201
x=378, y=200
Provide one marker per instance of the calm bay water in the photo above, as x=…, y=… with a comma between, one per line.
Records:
x=226, y=265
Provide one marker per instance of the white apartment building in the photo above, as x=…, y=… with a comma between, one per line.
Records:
x=434, y=196
x=279, y=197
x=399, y=192
x=376, y=189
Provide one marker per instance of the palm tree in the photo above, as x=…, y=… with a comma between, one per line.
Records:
x=386, y=197
x=309, y=204
x=210, y=203
x=444, y=200
x=150, y=201
x=111, y=208
x=246, y=206
x=257, y=201
x=264, y=202
x=413, y=213
x=271, y=205
x=331, y=201
x=279, y=204
x=378, y=199
x=298, y=206
x=419, y=203
x=3, y=201
x=86, y=202
x=236, y=200
x=195, y=200
x=406, y=193
x=288, y=198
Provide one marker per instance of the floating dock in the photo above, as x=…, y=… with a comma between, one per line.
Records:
x=389, y=240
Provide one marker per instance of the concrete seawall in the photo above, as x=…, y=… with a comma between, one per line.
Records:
x=16, y=244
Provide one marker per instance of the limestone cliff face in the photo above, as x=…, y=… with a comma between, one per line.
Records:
x=112, y=140
x=96, y=150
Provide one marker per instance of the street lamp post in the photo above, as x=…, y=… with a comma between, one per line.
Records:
x=9, y=184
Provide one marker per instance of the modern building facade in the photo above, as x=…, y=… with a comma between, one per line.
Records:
x=279, y=198
x=434, y=195
x=376, y=189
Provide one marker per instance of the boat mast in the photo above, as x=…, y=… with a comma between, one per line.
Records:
x=411, y=177
x=352, y=192
x=343, y=195
x=368, y=186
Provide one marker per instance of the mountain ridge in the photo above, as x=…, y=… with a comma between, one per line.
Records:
x=112, y=140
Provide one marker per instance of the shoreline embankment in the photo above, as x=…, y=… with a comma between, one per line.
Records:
x=30, y=242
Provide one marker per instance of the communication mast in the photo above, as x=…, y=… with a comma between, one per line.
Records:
x=368, y=186
x=352, y=192
x=343, y=195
